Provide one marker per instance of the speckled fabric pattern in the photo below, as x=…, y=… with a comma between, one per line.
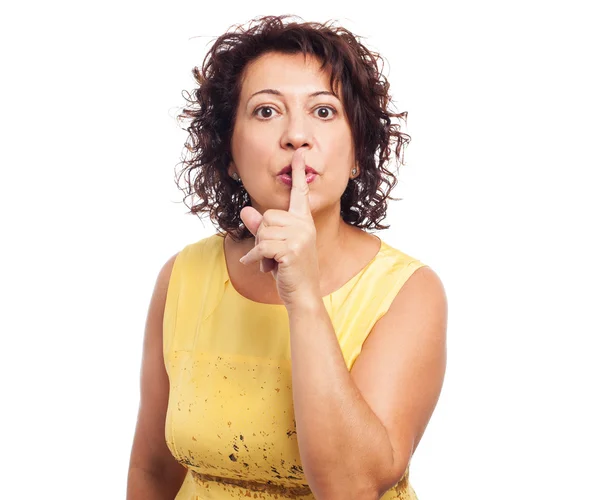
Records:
x=230, y=418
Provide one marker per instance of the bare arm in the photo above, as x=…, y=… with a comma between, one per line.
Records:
x=358, y=430
x=154, y=474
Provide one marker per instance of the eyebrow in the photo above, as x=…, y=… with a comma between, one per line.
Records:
x=276, y=92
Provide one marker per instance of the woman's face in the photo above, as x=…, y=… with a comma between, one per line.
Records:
x=280, y=111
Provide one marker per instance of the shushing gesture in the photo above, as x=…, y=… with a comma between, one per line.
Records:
x=285, y=241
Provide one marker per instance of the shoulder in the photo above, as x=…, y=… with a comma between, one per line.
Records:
x=164, y=275
x=424, y=286
x=425, y=280
x=190, y=252
x=204, y=248
x=421, y=301
x=187, y=259
x=167, y=268
x=417, y=293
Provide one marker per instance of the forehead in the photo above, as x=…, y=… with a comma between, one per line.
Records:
x=285, y=72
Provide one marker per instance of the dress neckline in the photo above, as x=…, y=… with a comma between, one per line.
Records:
x=227, y=278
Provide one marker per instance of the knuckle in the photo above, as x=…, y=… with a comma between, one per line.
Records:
x=268, y=216
x=296, y=247
x=265, y=233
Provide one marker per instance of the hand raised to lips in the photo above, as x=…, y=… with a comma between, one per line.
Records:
x=285, y=241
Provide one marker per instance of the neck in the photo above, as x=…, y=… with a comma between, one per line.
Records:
x=332, y=236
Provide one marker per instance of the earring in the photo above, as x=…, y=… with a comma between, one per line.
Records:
x=236, y=176
x=354, y=171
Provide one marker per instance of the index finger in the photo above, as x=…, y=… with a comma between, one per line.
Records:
x=299, y=202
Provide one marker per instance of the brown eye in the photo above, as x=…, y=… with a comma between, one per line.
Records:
x=325, y=112
x=264, y=112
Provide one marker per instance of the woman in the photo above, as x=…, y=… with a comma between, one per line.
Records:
x=304, y=357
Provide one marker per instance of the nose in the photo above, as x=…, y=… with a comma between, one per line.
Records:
x=297, y=132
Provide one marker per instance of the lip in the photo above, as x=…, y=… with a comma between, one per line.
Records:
x=288, y=170
x=287, y=179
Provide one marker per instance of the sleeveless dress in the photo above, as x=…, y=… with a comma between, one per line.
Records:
x=230, y=417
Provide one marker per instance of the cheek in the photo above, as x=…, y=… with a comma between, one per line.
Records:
x=340, y=139
x=339, y=148
x=252, y=144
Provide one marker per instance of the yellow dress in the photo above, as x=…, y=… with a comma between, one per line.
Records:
x=230, y=418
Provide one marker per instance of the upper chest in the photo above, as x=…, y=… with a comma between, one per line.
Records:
x=251, y=283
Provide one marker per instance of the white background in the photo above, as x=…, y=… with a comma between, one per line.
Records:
x=499, y=198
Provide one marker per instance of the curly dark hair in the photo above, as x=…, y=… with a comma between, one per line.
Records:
x=211, y=113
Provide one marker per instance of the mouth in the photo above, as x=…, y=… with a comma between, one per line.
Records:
x=288, y=170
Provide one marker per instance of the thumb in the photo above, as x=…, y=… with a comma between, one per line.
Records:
x=251, y=219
